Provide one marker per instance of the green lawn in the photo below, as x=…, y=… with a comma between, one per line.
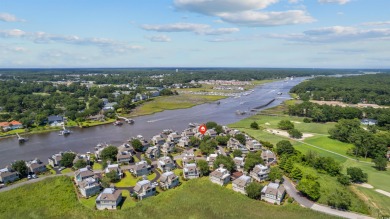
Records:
x=128, y=200
x=51, y=169
x=382, y=204
x=89, y=202
x=67, y=170
x=181, y=101
x=97, y=166
x=198, y=198
x=130, y=180
x=12, y=132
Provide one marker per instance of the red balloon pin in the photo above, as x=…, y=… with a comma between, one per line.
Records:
x=202, y=129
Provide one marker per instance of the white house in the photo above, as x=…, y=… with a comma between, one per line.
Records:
x=144, y=189
x=273, y=193
x=166, y=164
x=110, y=198
x=220, y=176
x=241, y=183
x=190, y=171
x=260, y=172
x=169, y=180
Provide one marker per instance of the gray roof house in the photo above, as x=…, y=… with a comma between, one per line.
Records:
x=83, y=174
x=188, y=133
x=169, y=180
x=110, y=198
x=239, y=162
x=211, y=159
x=144, y=189
x=260, y=172
x=253, y=145
x=190, y=171
x=273, y=193
x=241, y=183
x=153, y=152
x=89, y=187
x=234, y=144
x=268, y=157
x=174, y=137
x=211, y=132
x=166, y=164
x=36, y=166
x=55, y=160
x=158, y=140
x=124, y=157
x=167, y=148
x=188, y=158
x=220, y=176
x=369, y=121
x=55, y=119
x=84, y=157
x=115, y=168
x=141, y=168
x=184, y=142
x=7, y=175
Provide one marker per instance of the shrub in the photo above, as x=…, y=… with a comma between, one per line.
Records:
x=254, y=125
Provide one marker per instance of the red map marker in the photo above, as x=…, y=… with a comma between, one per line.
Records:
x=202, y=129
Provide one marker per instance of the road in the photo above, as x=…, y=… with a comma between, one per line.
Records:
x=303, y=201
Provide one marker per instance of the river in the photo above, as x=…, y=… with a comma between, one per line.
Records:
x=82, y=140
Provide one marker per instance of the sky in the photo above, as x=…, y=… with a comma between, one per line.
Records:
x=195, y=33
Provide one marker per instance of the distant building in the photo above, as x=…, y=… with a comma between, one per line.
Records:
x=369, y=121
x=55, y=120
x=7, y=126
x=7, y=175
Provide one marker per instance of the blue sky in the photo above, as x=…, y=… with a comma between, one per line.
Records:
x=195, y=33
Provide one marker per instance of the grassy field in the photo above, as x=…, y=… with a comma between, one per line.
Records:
x=181, y=101
x=382, y=204
x=209, y=88
x=56, y=198
x=130, y=180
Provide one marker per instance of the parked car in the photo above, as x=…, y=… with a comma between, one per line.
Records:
x=29, y=177
x=2, y=186
x=61, y=168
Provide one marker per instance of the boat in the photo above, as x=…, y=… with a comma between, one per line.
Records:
x=21, y=139
x=192, y=125
x=65, y=132
x=118, y=123
x=130, y=121
x=280, y=93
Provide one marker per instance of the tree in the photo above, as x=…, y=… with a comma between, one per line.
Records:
x=203, y=167
x=296, y=173
x=250, y=163
x=285, y=125
x=253, y=190
x=109, y=153
x=113, y=176
x=237, y=153
x=194, y=141
x=380, y=163
x=254, y=125
x=344, y=180
x=20, y=167
x=67, y=159
x=284, y=147
x=241, y=138
x=218, y=129
x=80, y=164
x=208, y=147
x=227, y=162
x=105, y=182
x=137, y=145
x=166, y=92
x=309, y=187
x=222, y=140
x=211, y=125
x=275, y=174
x=339, y=199
x=294, y=133
x=267, y=144
x=357, y=175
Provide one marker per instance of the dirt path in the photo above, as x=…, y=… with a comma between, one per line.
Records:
x=285, y=133
x=383, y=192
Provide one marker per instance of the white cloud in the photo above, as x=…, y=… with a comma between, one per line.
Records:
x=202, y=29
x=9, y=18
x=294, y=1
x=376, y=23
x=246, y=13
x=337, y=34
x=255, y=18
x=159, y=38
x=42, y=37
x=211, y=7
x=340, y=2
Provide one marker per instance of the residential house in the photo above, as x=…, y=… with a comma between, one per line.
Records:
x=36, y=166
x=153, y=152
x=7, y=175
x=211, y=159
x=109, y=199
x=115, y=168
x=99, y=149
x=188, y=133
x=211, y=132
x=145, y=145
x=83, y=174
x=89, y=187
x=273, y=193
x=144, y=189
x=253, y=145
x=158, y=140
x=174, y=137
x=184, y=142
x=260, y=172
x=140, y=97
x=167, y=147
x=239, y=162
x=55, y=160
x=7, y=126
x=126, y=148
x=234, y=144
x=188, y=158
x=141, y=168
x=190, y=171
x=166, y=164
x=369, y=121
x=220, y=176
x=268, y=156
x=169, y=180
x=234, y=132
x=241, y=183
x=109, y=106
x=55, y=120
x=84, y=157
x=124, y=157
x=199, y=135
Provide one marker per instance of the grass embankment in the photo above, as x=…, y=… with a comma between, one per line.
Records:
x=181, y=101
x=324, y=146
x=56, y=198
